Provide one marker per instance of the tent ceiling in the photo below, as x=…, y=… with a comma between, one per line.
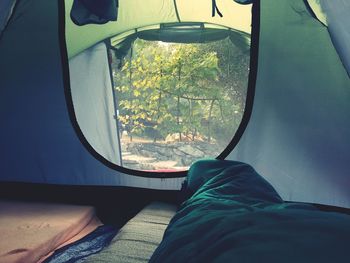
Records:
x=137, y=14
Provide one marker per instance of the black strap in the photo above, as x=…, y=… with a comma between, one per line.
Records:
x=94, y=12
x=177, y=12
x=215, y=9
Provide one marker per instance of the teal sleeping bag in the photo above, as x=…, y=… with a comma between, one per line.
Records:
x=234, y=215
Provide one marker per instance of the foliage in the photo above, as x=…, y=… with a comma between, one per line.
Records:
x=190, y=89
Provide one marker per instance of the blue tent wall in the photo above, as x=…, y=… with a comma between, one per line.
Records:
x=37, y=142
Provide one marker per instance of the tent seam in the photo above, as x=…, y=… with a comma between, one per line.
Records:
x=254, y=57
x=177, y=11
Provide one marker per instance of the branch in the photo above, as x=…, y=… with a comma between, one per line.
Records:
x=184, y=97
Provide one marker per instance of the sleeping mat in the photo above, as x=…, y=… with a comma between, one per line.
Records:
x=30, y=232
x=234, y=215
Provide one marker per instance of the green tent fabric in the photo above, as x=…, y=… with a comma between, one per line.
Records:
x=237, y=17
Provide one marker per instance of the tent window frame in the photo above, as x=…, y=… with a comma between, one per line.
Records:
x=254, y=50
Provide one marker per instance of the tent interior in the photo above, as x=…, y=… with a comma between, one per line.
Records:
x=136, y=131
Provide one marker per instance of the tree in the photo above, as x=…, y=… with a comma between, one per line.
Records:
x=188, y=89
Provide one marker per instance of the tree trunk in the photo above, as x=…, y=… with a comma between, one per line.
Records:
x=190, y=118
x=158, y=114
x=209, y=119
x=178, y=103
x=130, y=88
x=178, y=117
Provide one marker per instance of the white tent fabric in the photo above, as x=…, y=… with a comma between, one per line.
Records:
x=6, y=8
x=92, y=95
x=91, y=90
